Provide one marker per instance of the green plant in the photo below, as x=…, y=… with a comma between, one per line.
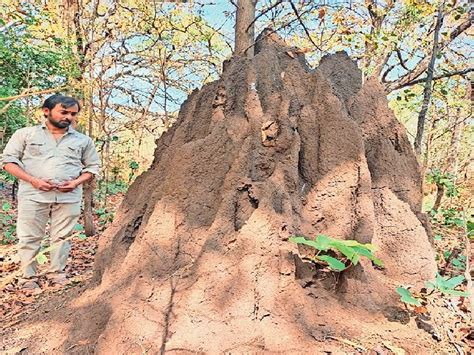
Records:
x=459, y=262
x=449, y=217
x=443, y=179
x=7, y=224
x=470, y=229
x=347, y=251
x=407, y=297
x=447, y=285
x=80, y=228
x=104, y=216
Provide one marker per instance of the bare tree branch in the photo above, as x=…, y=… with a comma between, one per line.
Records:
x=10, y=98
x=270, y=8
x=422, y=65
x=298, y=16
x=446, y=75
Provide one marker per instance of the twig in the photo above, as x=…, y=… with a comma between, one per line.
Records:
x=31, y=94
x=453, y=126
x=7, y=106
x=453, y=255
x=446, y=75
x=295, y=10
x=263, y=13
x=348, y=342
x=467, y=271
x=270, y=32
x=402, y=62
x=459, y=350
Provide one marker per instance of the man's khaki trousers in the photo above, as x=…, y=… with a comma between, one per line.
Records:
x=31, y=225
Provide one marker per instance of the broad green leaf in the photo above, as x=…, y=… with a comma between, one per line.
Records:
x=407, y=297
x=347, y=251
x=454, y=282
x=456, y=293
x=303, y=240
x=6, y=206
x=78, y=227
x=355, y=259
x=363, y=251
x=368, y=254
x=333, y=263
x=323, y=242
x=82, y=236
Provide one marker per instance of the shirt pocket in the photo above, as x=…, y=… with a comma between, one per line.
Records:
x=36, y=149
x=72, y=152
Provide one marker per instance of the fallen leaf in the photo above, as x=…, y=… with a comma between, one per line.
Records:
x=396, y=350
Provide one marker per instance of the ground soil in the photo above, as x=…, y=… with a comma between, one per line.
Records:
x=198, y=257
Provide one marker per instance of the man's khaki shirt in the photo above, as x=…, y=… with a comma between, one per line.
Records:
x=37, y=152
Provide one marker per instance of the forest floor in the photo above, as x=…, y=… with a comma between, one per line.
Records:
x=446, y=318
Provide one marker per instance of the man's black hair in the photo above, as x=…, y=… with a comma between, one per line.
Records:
x=64, y=101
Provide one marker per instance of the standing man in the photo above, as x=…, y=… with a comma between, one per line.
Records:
x=52, y=161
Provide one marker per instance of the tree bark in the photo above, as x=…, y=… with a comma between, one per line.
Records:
x=244, y=28
x=439, y=196
x=428, y=86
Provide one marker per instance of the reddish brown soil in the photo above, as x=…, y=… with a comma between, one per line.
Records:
x=198, y=258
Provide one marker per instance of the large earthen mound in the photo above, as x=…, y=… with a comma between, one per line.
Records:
x=198, y=258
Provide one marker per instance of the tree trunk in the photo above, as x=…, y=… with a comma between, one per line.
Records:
x=72, y=18
x=439, y=196
x=198, y=257
x=89, y=228
x=244, y=28
x=452, y=155
x=428, y=86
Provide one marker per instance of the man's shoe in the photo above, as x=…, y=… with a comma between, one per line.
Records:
x=29, y=285
x=58, y=278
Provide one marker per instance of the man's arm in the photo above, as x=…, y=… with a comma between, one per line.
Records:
x=68, y=186
x=11, y=161
x=21, y=174
x=91, y=162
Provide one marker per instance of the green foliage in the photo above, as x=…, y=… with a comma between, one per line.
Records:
x=447, y=285
x=6, y=177
x=350, y=250
x=133, y=165
x=443, y=179
x=459, y=262
x=30, y=63
x=7, y=224
x=470, y=229
x=104, y=215
x=449, y=217
x=41, y=258
x=80, y=228
x=110, y=188
x=407, y=297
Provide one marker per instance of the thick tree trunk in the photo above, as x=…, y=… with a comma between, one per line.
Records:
x=244, y=28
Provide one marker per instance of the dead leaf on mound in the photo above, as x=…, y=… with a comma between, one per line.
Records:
x=17, y=350
x=396, y=350
x=348, y=342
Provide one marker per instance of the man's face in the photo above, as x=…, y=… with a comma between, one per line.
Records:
x=60, y=116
